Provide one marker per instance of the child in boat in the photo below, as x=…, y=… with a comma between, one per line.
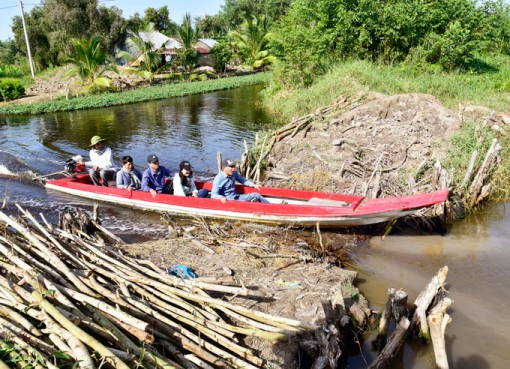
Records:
x=184, y=183
x=224, y=185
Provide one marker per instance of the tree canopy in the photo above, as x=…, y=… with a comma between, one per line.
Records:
x=54, y=23
x=306, y=37
x=160, y=18
x=449, y=34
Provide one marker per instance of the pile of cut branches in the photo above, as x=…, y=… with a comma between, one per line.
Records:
x=68, y=298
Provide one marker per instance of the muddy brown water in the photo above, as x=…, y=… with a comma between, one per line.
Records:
x=477, y=253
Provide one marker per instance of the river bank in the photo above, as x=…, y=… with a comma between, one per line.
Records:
x=58, y=99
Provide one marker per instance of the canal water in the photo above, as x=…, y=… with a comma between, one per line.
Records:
x=196, y=128
x=190, y=128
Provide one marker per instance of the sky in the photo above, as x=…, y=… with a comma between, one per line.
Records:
x=177, y=8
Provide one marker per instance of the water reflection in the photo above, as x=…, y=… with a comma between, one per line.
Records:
x=192, y=127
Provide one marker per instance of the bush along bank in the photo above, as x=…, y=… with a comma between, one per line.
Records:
x=11, y=90
x=137, y=95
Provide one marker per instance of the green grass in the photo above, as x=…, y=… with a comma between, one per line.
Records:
x=10, y=71
x=134, y=96
x=490, y=88
x=461, y=146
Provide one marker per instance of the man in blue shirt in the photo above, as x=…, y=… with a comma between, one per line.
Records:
x=153, y=179
x=224, y=188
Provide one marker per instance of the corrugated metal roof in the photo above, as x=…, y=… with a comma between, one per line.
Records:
x=173, y=43
x=158, y=40
x=208, y=41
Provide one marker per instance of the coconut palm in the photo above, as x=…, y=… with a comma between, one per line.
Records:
x=188, y=37
x=143, y=54
x=252, y=41
x=91, y=61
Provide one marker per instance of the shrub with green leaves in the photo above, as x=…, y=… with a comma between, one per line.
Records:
x=11, y=90
x=316, y=34
x=222, y=55
x=11, y=71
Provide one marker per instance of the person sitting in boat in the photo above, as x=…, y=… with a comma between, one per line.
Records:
x=184, y=183
x=224, y=188
x=128, y=177
x=153, y=179
x=101, y=162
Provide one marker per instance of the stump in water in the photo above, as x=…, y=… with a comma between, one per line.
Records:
x=431, y=298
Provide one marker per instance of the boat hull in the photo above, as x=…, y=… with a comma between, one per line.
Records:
x=301, y=208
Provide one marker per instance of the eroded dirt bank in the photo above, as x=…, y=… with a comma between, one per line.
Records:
x=365, y=149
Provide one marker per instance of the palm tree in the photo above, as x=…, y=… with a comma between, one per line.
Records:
x=90, y=60
x=188, y=37
x=252, y=41
x=143, y=53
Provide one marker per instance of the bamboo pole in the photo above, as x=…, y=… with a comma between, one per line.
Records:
x=83, y=336
x=116, y=298
x=20, y=320
x=50, y=255
x=124, y=341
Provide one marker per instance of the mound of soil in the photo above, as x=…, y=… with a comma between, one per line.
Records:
x=352, y=146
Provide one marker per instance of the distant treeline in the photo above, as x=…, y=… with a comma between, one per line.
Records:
x=307, y=37
x=53, y=24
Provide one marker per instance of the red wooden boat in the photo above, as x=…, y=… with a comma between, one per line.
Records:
x=287, y=207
